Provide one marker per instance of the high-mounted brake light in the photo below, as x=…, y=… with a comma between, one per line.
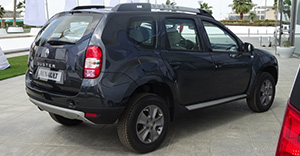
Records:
x=93, y=61
x=289, y=141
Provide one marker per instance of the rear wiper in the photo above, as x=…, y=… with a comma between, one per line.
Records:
x=59, y=42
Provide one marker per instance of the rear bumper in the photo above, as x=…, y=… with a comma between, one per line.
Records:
x=68, y=113
x=75, y=107
x=108, y=102
x=104, y=115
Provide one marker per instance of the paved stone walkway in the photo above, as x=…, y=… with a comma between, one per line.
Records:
x=225, y=130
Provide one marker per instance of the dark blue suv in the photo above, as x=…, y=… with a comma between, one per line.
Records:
x=140, y=64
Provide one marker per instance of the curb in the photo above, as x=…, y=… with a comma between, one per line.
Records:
x=12, y=51
x=16, y=36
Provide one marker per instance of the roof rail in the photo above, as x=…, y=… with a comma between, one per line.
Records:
x=146, y=7
x=182, y=9
x=174, y=8
x=149, y=7
x=89, y=7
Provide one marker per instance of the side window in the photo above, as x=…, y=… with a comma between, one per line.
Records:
x=182, y=34
x=142, y=32
x=219, y=39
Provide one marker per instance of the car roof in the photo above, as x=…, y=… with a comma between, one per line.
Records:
x=142, y=7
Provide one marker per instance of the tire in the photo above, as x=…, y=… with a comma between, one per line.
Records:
x=64, y=121
x=262, y=96
x=135, y=118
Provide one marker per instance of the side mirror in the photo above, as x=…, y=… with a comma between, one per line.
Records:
x=248, y=47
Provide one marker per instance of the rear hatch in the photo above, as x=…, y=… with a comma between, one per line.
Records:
x=57, y=55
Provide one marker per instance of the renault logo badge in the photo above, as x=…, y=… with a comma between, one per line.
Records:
x=47, y=52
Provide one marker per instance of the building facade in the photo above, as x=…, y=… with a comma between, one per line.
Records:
x=262, y=13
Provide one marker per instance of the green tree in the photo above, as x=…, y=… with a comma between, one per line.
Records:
x=2, y=12
x=252, y=15
x=242, y=7
x=275, y=5
x=204, y=6
x=287, y=7
x=168, y=2
x=21, y=5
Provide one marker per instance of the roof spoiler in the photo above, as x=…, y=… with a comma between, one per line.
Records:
x=89, y=7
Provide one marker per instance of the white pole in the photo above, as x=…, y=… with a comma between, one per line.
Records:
x=265, y=9
x=77, y=2
x=260, y=10
x=47, y=10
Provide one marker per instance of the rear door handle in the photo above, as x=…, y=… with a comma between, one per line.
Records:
x=219, y=65
x=175, y=64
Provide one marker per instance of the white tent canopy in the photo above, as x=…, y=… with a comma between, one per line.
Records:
x=70, y=4
x=3, y=61
x=37, y=11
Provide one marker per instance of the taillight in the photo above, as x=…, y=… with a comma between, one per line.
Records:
x=91, y=115
x=289, y=141
x=93, y=61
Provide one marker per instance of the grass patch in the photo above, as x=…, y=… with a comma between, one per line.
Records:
x=26, y=30
x=18, y=66
x=251, y=23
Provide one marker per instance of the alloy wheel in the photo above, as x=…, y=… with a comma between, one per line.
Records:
x=150, y=124
x=266, y=92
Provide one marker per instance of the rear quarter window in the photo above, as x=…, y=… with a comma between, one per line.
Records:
x=142, y=32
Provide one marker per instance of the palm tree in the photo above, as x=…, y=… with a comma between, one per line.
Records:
x=15, y=13
x=252, y=15
x=275, y=5
x=287, y=7
x=204, y=6
x=242, y=7
x=2, y=12
x=168, y=2
x=19, y=6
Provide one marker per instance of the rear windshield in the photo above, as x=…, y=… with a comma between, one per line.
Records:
x=68, y=28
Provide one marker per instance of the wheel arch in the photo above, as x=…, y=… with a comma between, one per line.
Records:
x=255, y=75
x=161, y=89
x=273, y=71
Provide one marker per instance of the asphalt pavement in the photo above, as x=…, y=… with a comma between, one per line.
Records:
x=231, y=129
